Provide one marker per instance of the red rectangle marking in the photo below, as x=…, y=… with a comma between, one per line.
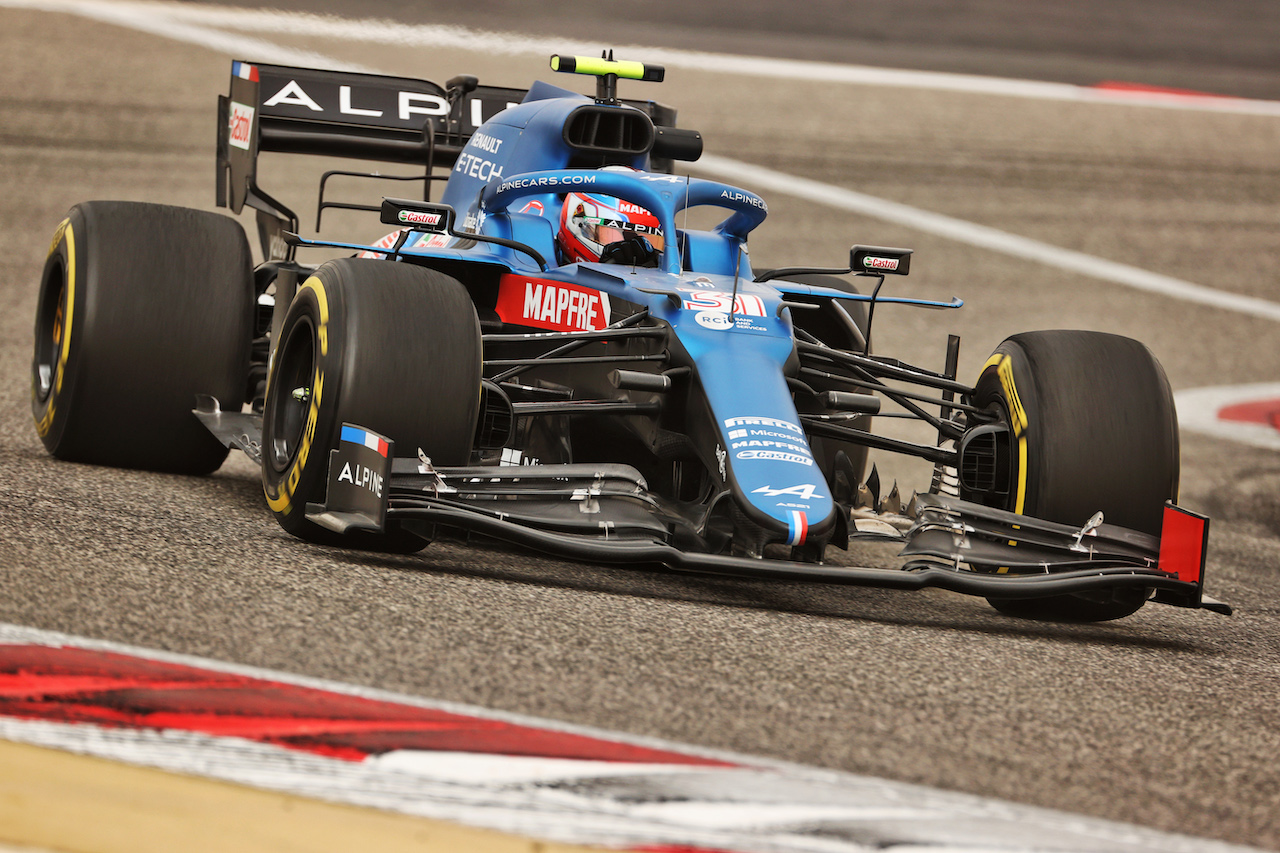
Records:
x=1184, y=540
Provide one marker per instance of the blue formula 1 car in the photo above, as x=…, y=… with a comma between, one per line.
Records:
x=548, y=355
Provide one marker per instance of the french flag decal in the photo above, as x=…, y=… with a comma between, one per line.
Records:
x=244, y=71
x=355, y=435
x=797, y=527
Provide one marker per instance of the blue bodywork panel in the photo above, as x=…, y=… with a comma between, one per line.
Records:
x=510, y=181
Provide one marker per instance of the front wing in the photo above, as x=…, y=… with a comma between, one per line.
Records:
x=605, y=514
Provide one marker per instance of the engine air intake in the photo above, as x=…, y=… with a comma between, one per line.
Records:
x=609, y=130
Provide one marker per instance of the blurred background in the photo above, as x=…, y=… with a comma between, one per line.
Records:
x=1228, y=47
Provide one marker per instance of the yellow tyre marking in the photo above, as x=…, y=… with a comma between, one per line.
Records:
x=64, y=334
x=57, y=236
x=1003, y=366
x=1022, y=476
x=71, y=301
x=283, y=503
x=1017, y=414
x=1018, y=417
x=317, y=287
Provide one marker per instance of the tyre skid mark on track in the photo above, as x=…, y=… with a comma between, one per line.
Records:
x=537, y=779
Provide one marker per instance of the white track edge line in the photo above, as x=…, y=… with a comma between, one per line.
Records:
x=985, y=237
x=453, y=36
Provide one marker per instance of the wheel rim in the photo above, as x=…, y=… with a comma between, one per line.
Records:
x=50, y=328
x=290, y=398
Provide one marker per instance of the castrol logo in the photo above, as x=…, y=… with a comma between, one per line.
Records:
x=240, y=125
x=418, y=217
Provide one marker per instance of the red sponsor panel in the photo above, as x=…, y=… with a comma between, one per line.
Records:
x=555, y=305
x=241, y=125
x=1183, y=539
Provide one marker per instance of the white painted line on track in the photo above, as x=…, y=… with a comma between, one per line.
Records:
x=984, y=237
x=162, y=19
x=450, y=36
x=196, y=25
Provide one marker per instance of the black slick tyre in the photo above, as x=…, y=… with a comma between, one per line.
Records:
x=1093, y=428
x=141, y=308
x=392, y=347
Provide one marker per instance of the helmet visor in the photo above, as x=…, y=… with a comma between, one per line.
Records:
x=604, y=231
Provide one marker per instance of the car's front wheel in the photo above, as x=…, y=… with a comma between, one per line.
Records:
x=1093, y=428
x=392, y=347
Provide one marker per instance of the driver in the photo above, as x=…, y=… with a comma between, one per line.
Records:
x=607, y=229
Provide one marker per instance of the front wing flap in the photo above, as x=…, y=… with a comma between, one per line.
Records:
x=989, y=539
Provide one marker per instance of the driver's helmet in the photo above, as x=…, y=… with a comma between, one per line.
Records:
x=588, y=223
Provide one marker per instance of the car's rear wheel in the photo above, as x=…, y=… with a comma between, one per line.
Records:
x=392, y=347
x=141, y=308
x=1093, y=428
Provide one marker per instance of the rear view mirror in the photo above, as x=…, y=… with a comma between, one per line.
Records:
x=879, y=260
x=418, y=215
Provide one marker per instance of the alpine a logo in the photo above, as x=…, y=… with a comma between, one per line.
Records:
x=805, y=492
x=873, y=263
x=419, y=217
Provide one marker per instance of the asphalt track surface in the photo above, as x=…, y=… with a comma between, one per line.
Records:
x=1167, y=718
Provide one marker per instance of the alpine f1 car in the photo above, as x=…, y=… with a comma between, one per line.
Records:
x=546, y=354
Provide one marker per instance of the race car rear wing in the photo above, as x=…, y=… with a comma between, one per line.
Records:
x=354, y=115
